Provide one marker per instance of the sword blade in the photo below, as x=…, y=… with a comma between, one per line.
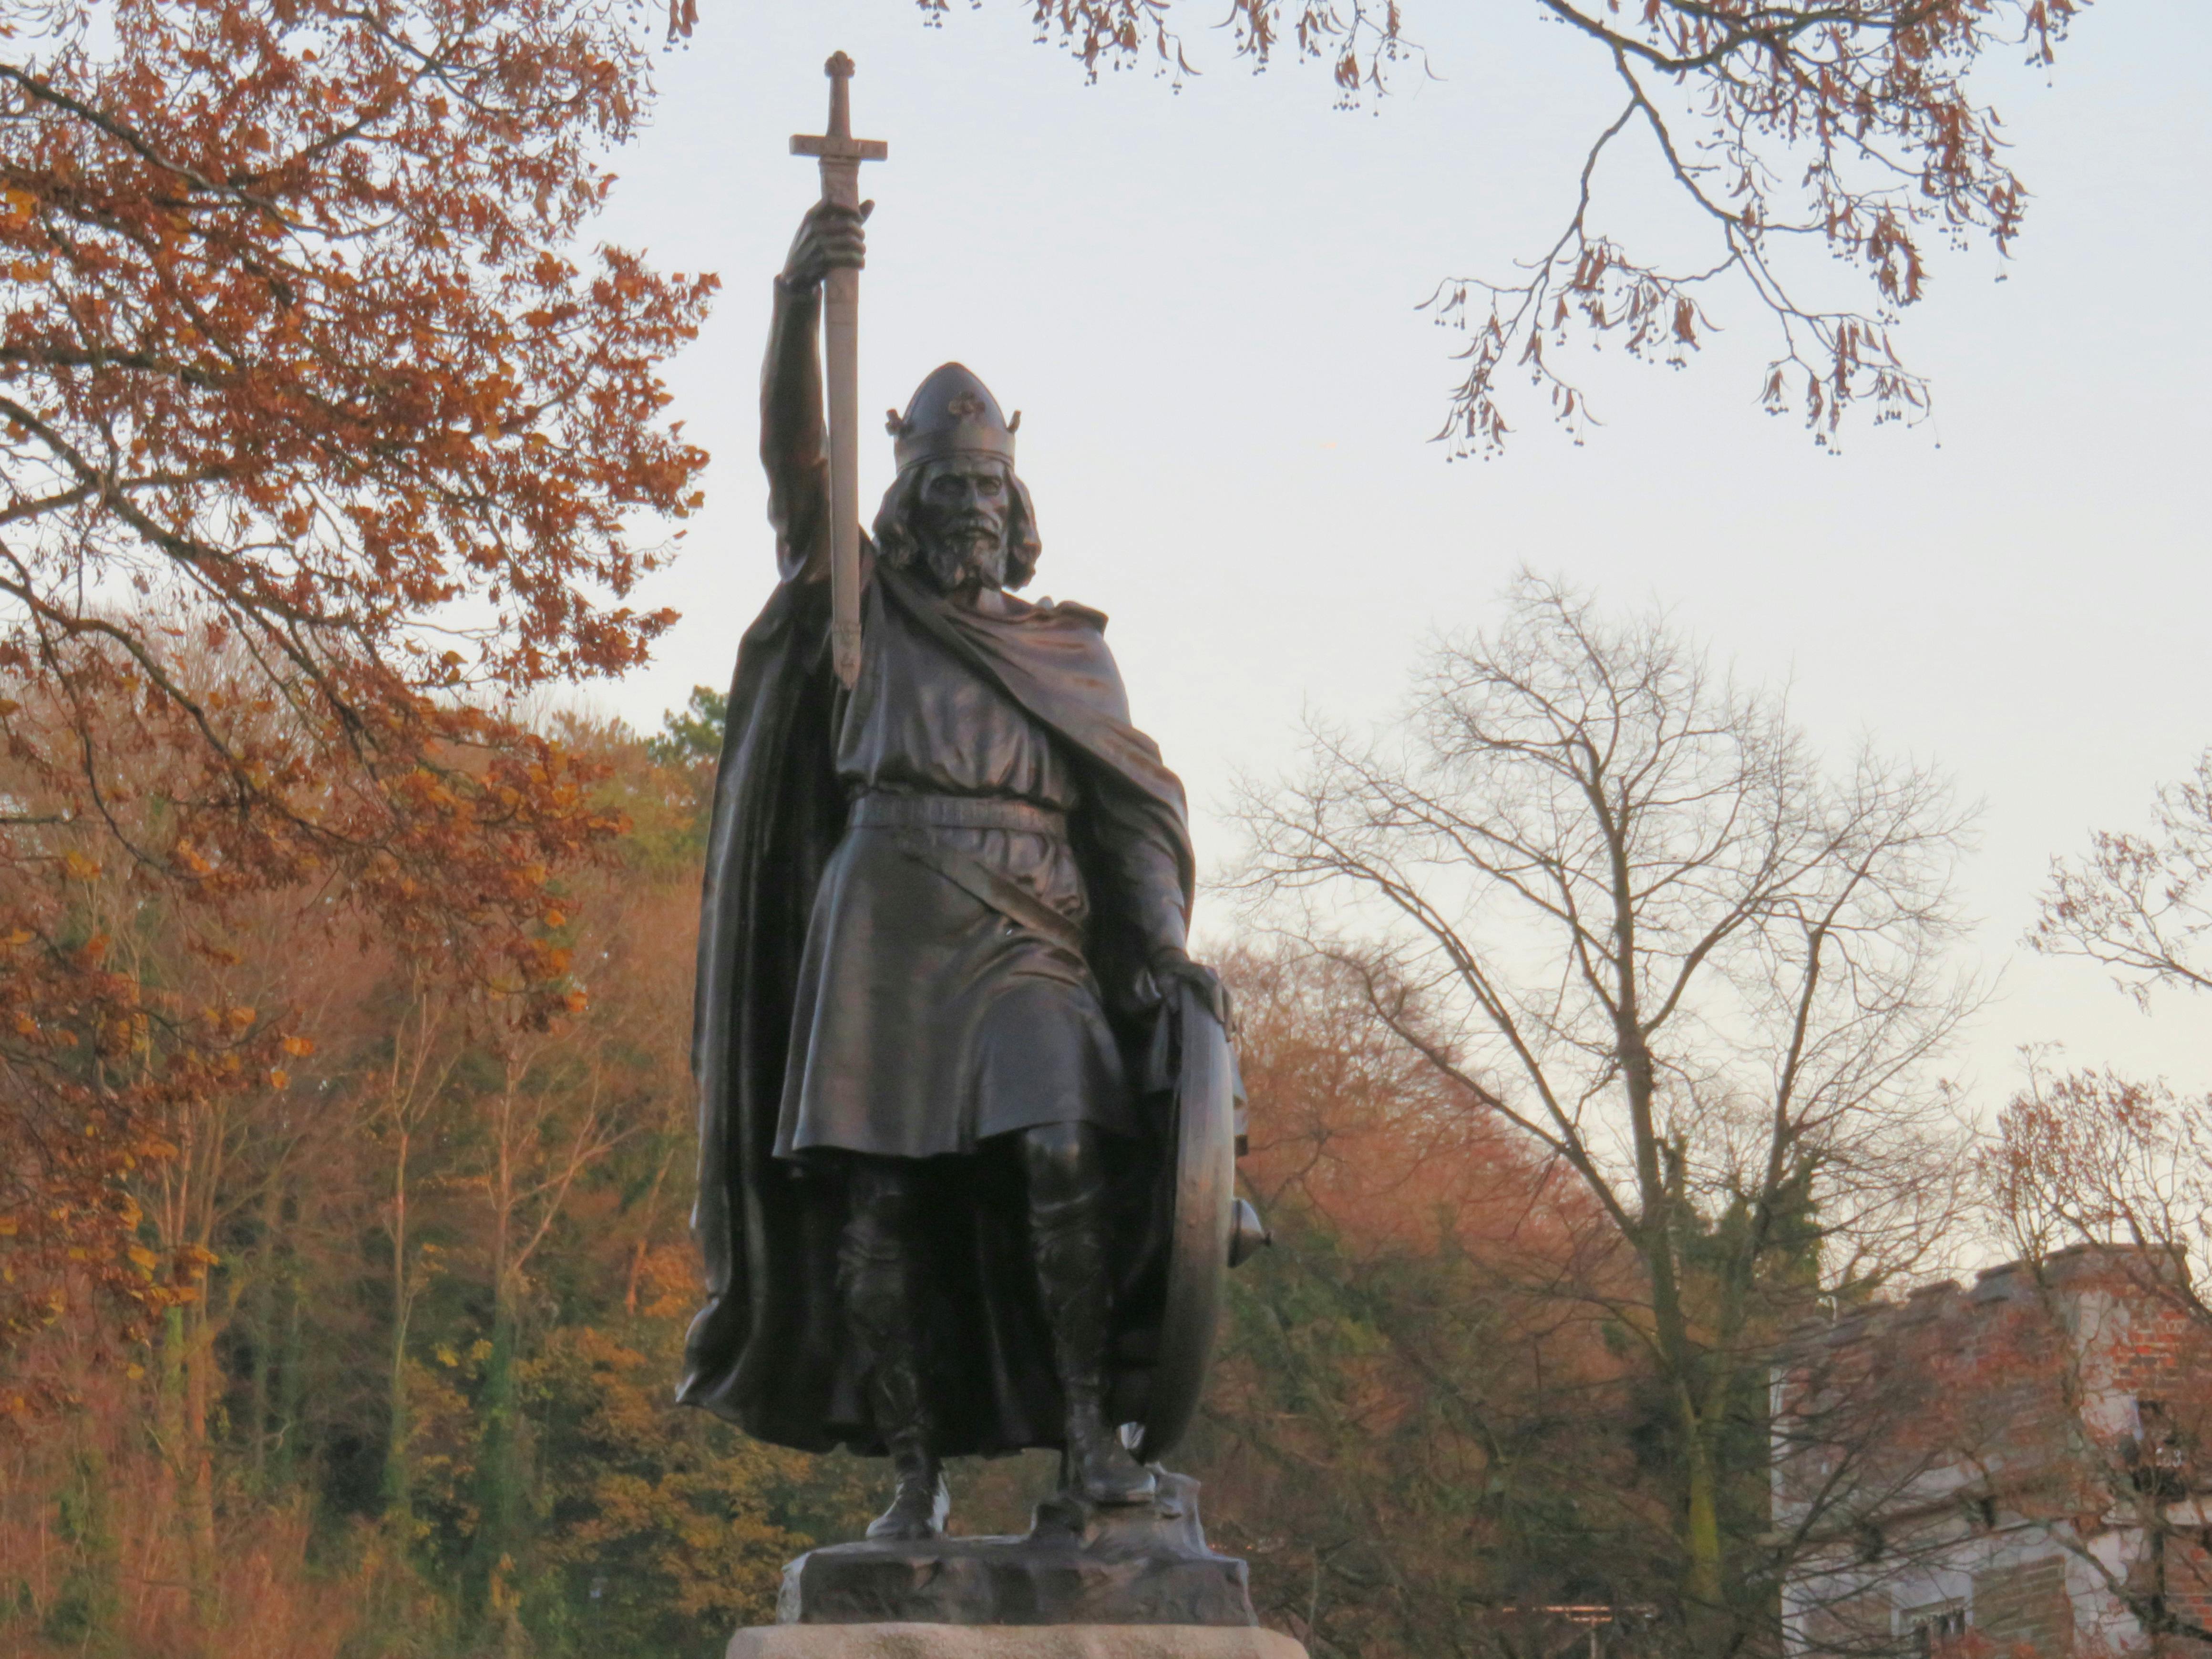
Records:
x=840, y=328
x=841, y=155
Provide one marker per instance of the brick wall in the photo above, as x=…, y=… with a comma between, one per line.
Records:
x=2003, y=1377
x=2189, y=1591
x=2024, y=1609
x=2037, y=1410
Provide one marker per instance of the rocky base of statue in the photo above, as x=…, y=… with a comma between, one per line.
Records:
x=1080, y=1564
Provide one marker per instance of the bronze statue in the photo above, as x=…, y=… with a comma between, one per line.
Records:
x=944, y=912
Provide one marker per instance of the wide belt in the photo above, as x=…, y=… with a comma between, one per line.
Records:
x=878, y=809
x=948, y=862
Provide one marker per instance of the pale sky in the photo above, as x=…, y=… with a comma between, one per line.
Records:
x=1204, y=301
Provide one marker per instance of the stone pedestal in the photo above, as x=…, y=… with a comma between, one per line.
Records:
x=908, y=1641
x=1080, y=1565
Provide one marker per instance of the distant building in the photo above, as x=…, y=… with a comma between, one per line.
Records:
x=2016, y=1468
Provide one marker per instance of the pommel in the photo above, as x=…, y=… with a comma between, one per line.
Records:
x=839, y=69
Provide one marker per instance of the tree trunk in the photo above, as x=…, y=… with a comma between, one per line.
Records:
x=287, y=1459
x=1701, y=1578
x=169, y=1419
x=492, y=1551
x=199, y=1455
x=649, y=1211
x=399, y=1494
x=263, y=1315
x=499, y=1475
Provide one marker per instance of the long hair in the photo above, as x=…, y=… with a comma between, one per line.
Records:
x=894, y=530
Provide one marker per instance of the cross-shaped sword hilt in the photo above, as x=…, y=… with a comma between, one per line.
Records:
x=841, y=153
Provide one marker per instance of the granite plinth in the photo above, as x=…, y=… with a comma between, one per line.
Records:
x=1079, y=1565
x=1003, y=1642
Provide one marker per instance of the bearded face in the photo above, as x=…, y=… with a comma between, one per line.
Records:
x=960, y=511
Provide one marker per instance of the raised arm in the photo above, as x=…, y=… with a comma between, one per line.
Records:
x=795, y=440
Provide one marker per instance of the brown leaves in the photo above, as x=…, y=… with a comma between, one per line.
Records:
x=347, y=361
x=1848, y=127
x=80, y=1118
x=320, y=444
x=1358, y=40
x=1865, y=110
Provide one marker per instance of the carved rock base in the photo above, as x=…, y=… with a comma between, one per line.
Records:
x=1080, y=1565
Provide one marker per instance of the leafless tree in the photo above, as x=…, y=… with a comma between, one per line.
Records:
x=1609, y=894
x=2141, y=904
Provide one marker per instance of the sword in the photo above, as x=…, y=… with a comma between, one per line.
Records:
x=840, y=154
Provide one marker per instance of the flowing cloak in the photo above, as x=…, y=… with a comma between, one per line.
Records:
x=769, y=1351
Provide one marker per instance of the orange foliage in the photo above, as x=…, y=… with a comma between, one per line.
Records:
x=1417, y=1421
x=317, y=441
x=108, y=1563
x=419, y=1400
x=1387, y=1150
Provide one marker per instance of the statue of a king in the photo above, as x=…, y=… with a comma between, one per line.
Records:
x=943, y=913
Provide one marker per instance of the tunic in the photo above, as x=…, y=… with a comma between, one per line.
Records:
x=928, y=1021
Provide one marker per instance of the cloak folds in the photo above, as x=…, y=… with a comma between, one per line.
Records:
x=768, y=1350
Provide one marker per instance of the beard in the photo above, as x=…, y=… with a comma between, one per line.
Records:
x=966, y=558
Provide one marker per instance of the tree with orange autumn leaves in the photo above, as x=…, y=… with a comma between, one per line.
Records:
x=2098, y=1155
x=418, y=1401
x=321, y=440
x=420, y=1405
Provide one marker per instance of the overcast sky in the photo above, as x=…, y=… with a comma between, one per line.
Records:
x=1204, y=302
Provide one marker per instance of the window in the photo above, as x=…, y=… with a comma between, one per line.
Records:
x=2161, y=1455
x=1935, y=1627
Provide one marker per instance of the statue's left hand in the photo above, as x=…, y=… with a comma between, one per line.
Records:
x=1172, y=966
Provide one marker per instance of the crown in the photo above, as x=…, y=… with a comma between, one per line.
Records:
x=952, y=413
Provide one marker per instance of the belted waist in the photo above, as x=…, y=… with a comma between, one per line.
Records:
x=879, y=809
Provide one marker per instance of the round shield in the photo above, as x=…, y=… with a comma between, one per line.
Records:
x=1204, y=1136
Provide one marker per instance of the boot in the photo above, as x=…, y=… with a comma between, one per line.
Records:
x=874, y=1271
x=920, y=1503
x=1096, y=1464
x=1068, y=1239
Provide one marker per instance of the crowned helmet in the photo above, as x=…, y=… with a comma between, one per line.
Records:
x=952, y=413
